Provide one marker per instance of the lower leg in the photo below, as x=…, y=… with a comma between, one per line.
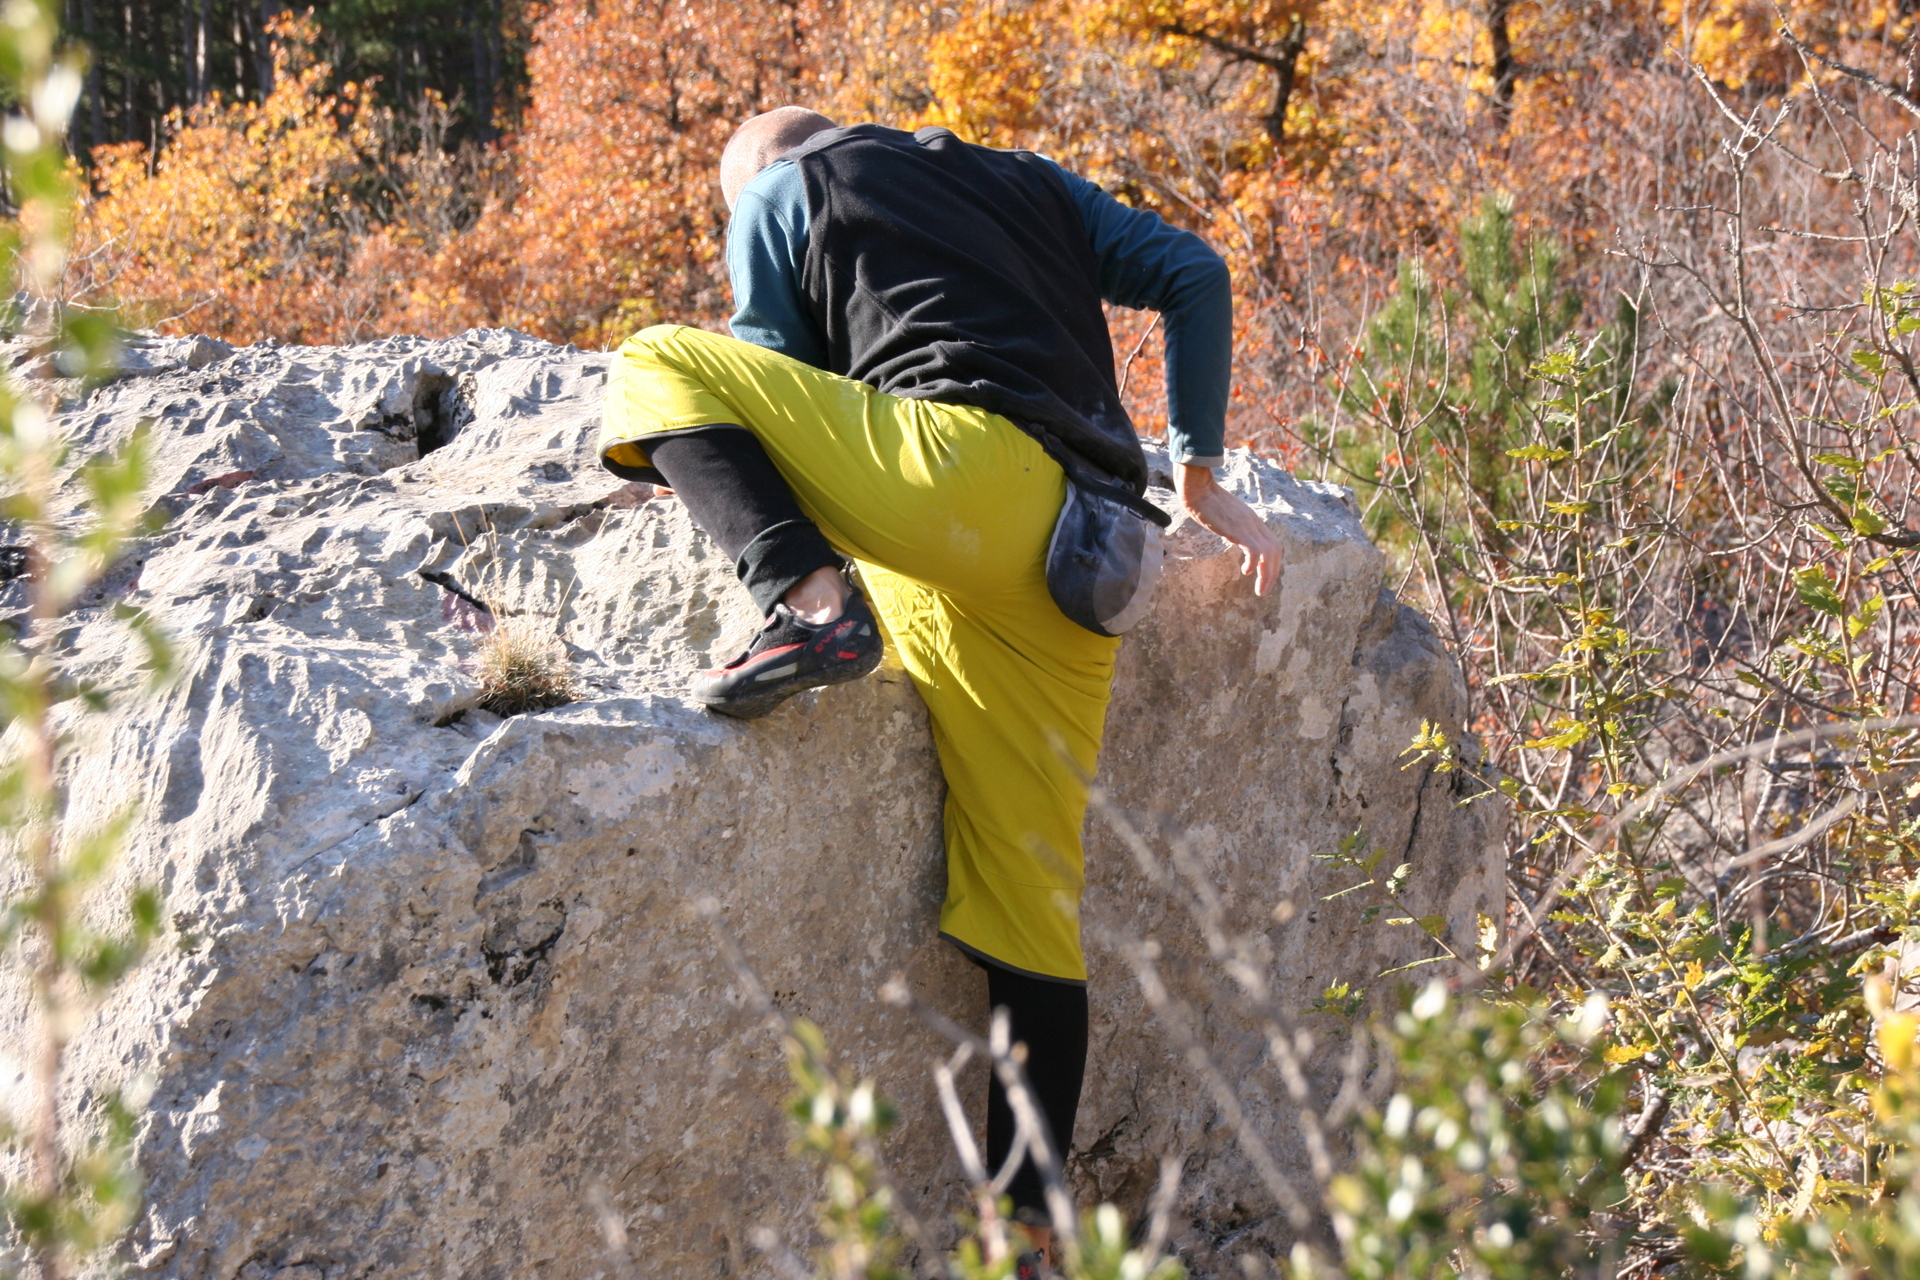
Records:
x=1050, y=1018
x=739, y=498
x=821, y=636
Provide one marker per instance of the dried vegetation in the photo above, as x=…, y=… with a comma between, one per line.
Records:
x=522, y=666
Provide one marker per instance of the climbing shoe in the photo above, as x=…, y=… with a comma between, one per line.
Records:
x=1030, y=1267
x=790, y=655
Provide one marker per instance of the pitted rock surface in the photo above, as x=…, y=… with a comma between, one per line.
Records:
x=432, y=989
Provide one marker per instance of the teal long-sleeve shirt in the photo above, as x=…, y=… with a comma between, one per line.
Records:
x=1143, y=263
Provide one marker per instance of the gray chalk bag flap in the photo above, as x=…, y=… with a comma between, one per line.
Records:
x=1104, y=561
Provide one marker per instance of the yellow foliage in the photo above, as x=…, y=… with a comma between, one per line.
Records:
x=1736, y=42
x=1005, y=73
x=1897, y=1034
x=989, y=72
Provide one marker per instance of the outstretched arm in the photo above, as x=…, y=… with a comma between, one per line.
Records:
x=1144, y=263
x=1148, y=265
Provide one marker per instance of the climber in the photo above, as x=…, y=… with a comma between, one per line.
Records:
x=919, y=350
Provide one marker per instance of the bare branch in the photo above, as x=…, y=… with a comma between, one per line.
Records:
x=1874, y=83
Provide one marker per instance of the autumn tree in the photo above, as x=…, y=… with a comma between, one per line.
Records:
x=247, y=224
x=1317, y=143
x=618, y=221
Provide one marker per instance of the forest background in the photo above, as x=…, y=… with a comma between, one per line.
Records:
x=377, y=166
x=1606, y=310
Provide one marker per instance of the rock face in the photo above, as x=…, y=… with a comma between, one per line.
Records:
x=432, y=987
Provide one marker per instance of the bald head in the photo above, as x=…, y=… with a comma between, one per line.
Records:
x=758, y=142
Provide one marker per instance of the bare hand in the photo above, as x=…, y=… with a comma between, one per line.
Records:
x=1218, y=511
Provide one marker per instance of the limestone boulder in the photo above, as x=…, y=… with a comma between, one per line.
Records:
x=431, y=988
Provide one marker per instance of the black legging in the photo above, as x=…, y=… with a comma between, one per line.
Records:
x=1050, y=1018
x=731, y=488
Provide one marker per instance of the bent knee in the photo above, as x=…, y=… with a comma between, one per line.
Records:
x=650, y=340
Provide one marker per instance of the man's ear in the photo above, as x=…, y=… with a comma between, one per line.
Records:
x=735, y=173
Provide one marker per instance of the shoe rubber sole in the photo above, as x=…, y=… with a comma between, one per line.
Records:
x=762, y=701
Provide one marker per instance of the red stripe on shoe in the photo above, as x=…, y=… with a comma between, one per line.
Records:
x=774, y=653
x=758, y=658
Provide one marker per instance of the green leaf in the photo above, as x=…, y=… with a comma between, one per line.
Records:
x=1341, y=999
x=1845, y=489
x=1569, y=733
x=89, y=343
x=1846, y=462
x=1834, y=539
x=1539, y=453
x=1871, y=361
x=153, y=639
x=1866, y=615
x=1855, y=376
x=1816, y=591
x=95, y=851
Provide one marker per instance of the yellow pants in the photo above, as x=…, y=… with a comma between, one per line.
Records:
x=948, y=511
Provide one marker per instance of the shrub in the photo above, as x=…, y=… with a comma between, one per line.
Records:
x=524, y=667
x=73, y=1193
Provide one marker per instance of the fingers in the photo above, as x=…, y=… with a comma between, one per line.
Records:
x=1223, y=513
x=1266, y=562
x=1260, y=560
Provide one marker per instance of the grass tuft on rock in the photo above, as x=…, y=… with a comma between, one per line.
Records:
x=524, y=668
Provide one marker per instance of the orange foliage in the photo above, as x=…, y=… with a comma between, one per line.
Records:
x=1734, y=41
x=266, y=219
x=619, y=220
x=276, y=219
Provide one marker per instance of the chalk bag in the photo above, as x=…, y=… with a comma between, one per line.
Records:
x=1104, y=560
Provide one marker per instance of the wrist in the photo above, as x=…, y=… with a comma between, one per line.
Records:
x=1192, y=482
